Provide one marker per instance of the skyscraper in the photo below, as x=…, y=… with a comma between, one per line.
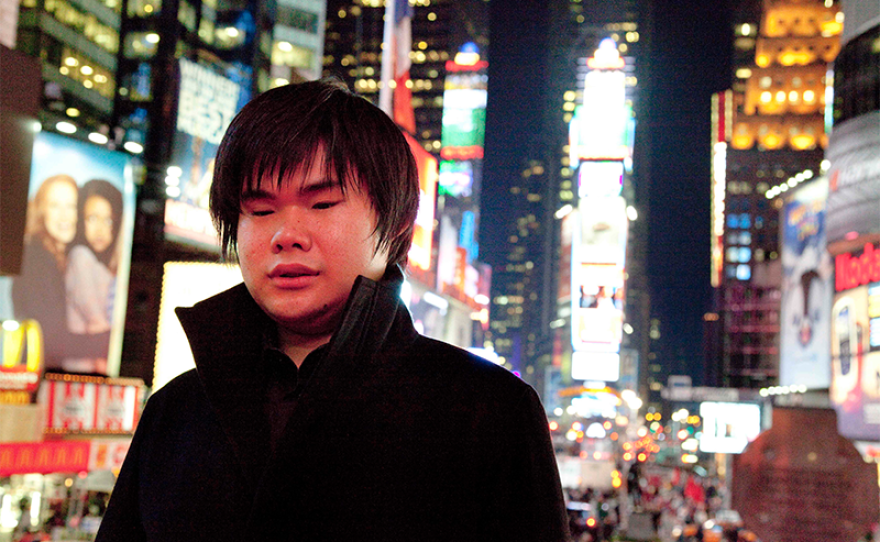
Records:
x=768, y=136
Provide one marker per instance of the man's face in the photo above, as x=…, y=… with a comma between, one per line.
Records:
x=301, y=247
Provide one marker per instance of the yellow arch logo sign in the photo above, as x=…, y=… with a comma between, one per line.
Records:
x=21, y=347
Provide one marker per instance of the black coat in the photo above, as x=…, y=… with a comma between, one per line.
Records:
x=395, y=437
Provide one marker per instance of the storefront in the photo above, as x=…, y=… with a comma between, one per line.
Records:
x=60, y=454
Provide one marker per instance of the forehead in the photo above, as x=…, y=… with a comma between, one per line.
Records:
x=315, y=171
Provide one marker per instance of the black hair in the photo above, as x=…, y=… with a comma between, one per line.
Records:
x=108, y=191
x=281, y=131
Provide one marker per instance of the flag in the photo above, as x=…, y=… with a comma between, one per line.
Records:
x=404, y=115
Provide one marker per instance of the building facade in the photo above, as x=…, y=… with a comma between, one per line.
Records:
x=769, y=135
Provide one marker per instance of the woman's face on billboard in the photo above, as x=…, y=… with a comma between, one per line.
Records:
x=60, y=212
x=98, y=223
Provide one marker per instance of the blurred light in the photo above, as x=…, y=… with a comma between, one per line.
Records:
x=152, y=37
x=172, y=191
x=11, y=325
x=631, y=213
x=627, y=456
x=132, y=147
x=554, y=426
x=231, y=31
x=689, y=458
x=86, y=70
x=99, y=138
x=809, y=96
x=174, y=171
x=285, y=46
x=70, y=61
x=642, y=456
x=72, y=112
x=563, y=211
x=558, y=411
x=482, y=299
x=65, y=127
x=172, y=181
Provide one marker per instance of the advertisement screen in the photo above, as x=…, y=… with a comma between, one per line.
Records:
x=599, y=128
x=600, y=179
x=420, y=253
x=74, y=275
x=807, y=290
x=464, y=116
x=603, y=230
x=207, y=103
x=729, y=427
x=456, y=178
x=597, y=315
x=855, y=362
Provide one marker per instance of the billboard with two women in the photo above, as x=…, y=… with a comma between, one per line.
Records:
x=74, y=275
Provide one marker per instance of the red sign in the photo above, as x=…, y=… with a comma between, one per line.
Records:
x=44, y=457
x=854, y=271
x=91, y=405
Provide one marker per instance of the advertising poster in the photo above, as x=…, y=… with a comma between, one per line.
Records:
x=74, y=276
x=207, y=103
x=855, y=361
x=807, y=290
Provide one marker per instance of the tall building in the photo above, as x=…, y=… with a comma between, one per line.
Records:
x=769, y=135
x=447, y=82
x=596, y=173
x=853, y=223
x=353, y=51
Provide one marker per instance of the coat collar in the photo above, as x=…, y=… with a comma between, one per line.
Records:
x=226, y=336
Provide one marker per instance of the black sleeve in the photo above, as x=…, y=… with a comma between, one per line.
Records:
x=122, y=520
x=529, y=500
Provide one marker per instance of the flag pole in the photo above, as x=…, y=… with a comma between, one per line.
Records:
x=388, y=52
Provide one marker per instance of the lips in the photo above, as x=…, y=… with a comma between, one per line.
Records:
x=292, y=271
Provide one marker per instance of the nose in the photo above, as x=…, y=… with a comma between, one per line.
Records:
x=291, y=233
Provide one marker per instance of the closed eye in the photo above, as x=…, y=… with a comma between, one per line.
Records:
x=325, y=205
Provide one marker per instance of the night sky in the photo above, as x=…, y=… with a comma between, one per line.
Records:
x=690, y=60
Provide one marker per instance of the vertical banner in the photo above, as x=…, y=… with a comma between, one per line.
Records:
x=74, y=275
x=807, y=290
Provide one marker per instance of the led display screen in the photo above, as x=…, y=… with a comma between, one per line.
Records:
x=728, y=427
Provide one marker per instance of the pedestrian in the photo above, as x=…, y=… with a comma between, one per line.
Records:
x=316, y=411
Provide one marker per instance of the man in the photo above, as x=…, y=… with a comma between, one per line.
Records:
x=316, y=411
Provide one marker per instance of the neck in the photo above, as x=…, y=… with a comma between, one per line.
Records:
x=297, y=346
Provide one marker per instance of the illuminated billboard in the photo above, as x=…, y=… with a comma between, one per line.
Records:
x=598, y=130
x=728, y=427
x=597, y=287
x=420, y=252
x=807, y=292
x=464, y=107
x=74, y=275
x=456, y=178
x=600, y=179
x=603, y=230
x=184, y=284
x=209, y=98
x=855, y=344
